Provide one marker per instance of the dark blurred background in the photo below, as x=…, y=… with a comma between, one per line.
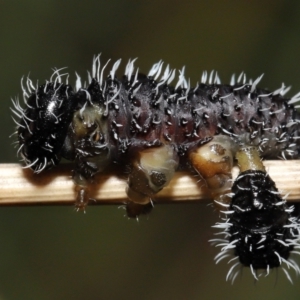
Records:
x=55, y=253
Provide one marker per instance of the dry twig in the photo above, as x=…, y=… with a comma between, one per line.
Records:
x=20, y=186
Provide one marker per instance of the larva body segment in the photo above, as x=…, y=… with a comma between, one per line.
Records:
x=153, y=129
x=43, y=124
x=260, y=227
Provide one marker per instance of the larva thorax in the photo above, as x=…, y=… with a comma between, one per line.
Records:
x=152, y=129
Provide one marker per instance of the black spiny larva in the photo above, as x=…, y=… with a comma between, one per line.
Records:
x=153, y=128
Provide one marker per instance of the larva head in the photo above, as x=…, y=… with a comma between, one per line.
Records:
x=260, y=229
x=43, y=125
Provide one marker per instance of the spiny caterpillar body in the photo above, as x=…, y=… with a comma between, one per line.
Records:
x=153, y=129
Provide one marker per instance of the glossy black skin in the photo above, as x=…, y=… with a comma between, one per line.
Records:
x=258, y=221
x=44, y=128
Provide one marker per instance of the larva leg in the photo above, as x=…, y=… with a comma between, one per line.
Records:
x=248, y=159
x=86, y=144
x=82, y=192
x=214, y=161
x=150, y=172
